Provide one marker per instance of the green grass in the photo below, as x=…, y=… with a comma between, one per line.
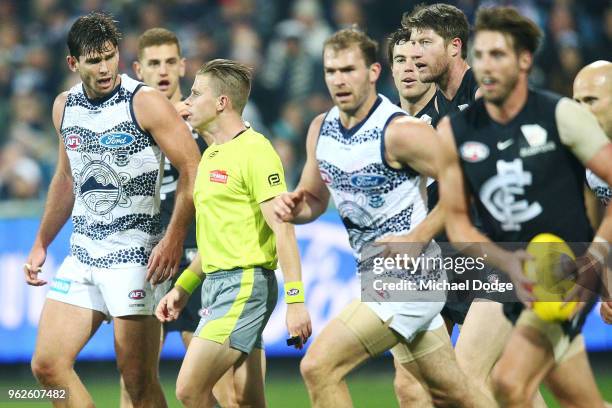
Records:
x=370, y=386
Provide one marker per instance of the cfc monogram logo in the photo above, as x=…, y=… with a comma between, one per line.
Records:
x=500, y=195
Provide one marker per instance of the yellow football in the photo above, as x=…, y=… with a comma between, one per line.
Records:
x=549, y=254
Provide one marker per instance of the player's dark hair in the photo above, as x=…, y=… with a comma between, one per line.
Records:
x=526, y=35
x=398, y=37
x=157, y=36
x=91, y=34
x=230, y=78
x=447, y=21
x=347, y=37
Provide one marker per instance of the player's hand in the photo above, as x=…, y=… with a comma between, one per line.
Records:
x=164, y=260
x=288, y=205
x=399, y=245
x=606, y=312
x=523, y=286
x=298, y=322
x=587, y=272
x=170, y=306
x=33, y=266
x=182, y=109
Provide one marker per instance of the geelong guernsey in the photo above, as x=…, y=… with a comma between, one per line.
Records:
x=373, y=199
x=117, y=168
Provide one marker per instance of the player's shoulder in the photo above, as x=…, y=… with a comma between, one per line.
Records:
x=252, y=139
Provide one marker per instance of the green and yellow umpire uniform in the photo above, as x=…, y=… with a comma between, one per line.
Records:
x=237, y=246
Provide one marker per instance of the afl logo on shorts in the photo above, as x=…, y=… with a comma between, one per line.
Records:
x=73, y=141
x=137, y=294
x=474, y=152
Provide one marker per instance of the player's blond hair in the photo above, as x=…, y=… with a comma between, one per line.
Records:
x=230, y=78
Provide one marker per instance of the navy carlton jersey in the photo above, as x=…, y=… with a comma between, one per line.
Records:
x=116, y=167
x=168, y=190
x=524, y=179
x=465, y=95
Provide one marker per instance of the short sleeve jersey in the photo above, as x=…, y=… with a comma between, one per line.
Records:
x=233, y=179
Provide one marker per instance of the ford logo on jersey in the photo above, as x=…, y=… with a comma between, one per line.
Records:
x=137, y=294
x=367, y=181
x=114, y=140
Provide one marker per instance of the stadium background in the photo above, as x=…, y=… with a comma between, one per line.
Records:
x=283, y=41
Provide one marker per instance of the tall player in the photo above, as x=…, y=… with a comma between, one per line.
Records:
x=546, y=141
x=112, y=132
x=366, y=137
x=239, y=241
x=440, y=33
x=593, y=89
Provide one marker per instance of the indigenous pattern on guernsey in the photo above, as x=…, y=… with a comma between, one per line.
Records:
x=373, y=199
x=117, y=168
x=599, y=187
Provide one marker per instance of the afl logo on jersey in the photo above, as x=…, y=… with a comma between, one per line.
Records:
x=73, y=141
x=114, y=140
x=474, y=152
x=368, y=181
x=326, y=177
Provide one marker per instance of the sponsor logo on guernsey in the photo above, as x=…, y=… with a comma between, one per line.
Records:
x=474, y=152
x=203, y=312
x=60, y=285
x=115, y=140
x=368, y=181
x=137, y=294
x=326, y=177
x=274, y=180
x=218, y=176
x=536, y=136
x=73, y=141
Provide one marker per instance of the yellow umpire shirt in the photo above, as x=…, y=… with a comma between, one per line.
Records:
x=233, y=179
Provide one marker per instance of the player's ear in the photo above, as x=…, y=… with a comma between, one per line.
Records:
x=525, y=60
x=455, y=46
x=137, y=69
x=73, y=63
x=222, y=103
x=181, y=67
x=375, y=69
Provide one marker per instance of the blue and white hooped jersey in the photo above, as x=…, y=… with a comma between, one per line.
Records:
x=117, y=169
x=599, y=187
x=373, y=199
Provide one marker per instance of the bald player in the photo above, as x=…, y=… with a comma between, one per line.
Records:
x=593, y=89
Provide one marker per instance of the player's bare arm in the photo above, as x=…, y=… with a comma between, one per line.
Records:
x=455, y=204
x=156, y=115
x=311, y=197
x=410, y=142
x=298, y=319
x=413, y=143
x=58, y=207
x=582, y=134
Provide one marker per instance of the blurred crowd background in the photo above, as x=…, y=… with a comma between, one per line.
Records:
x=281, y=39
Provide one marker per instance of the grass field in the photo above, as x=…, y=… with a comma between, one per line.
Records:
x=371, y=386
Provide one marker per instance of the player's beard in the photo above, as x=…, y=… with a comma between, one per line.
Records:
x=506, y=86
x=435, y=71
